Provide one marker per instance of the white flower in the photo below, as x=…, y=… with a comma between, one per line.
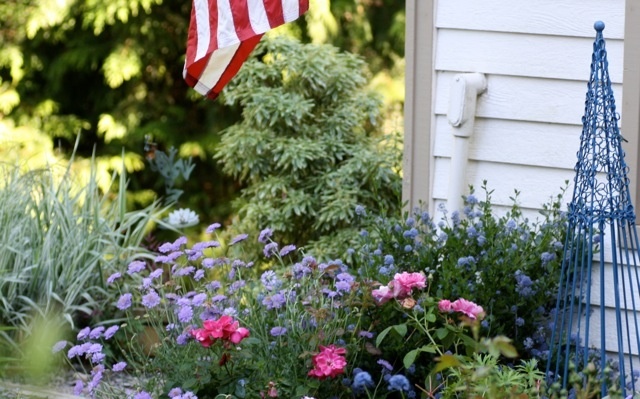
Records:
x=183, y=217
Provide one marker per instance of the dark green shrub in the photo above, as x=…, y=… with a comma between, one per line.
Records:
x=308, y=149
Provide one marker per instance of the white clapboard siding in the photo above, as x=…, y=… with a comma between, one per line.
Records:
x=524, y=99
x=544, y=17
x=535, y=189
x=611, y=337
x=536, y=56
x=499, y=53
x=515, y=142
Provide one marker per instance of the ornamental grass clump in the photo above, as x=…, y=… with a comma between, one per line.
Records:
x=59, y=240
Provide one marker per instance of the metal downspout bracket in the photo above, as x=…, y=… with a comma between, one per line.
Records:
x=595, y=318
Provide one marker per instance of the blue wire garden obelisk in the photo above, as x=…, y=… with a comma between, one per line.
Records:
x=595, y=319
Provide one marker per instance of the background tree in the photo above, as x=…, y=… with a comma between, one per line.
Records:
x=112, y=71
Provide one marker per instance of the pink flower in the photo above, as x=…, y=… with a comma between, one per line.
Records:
x=202, y=335
x=445, y=306
x=238, y=335
x=330, y=362
x=225, y=328
x=467, y=307
x=382, y=294
x=404, y=283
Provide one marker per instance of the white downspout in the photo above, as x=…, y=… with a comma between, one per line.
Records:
x=465, y=89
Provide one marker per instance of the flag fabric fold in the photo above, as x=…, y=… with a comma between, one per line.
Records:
x=222, y=34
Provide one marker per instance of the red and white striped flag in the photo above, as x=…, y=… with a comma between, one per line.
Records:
x=222, y=34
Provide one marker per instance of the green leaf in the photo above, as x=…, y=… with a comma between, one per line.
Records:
x=445, y=362
x=401, y=329
x=441, y=333
x=410, y=357
x=382, y=335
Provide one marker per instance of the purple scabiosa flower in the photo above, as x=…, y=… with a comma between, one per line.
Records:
x=201, y=246
x=238, y=238
x=184, y=271
x=270, y=249
x=287, y=249
x=188, y=395
x=236, y=286
x=193, y=255
x=96, y=332
x=343, y=286
x=124, y=302
x=385, y=364
x=213, y=227
x=519, y=322
x=97, y=357
x=275, y=301
x=278, y=331
x=270, y=280
x=94, y=348
x=119, y=366
x=198, y=275
x=58, y=346
x=113, y=278
x=151, y=299
x=83, y=334
x=142, y=395
x=146, y=283
x=175, y=392
x=155, y=274
x=198, y=299
x=300, y=270
x=136, y=267
x=329, y=293
x=388, y=260
x=185, y=314
x=230, y=312
x=218, y=298
x=264, y=235
x=78, y=387
x=173, y=246
x=365, y=334
x=182, y=339
x=111, y=331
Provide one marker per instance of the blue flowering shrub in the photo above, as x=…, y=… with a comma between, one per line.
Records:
x=508, y=264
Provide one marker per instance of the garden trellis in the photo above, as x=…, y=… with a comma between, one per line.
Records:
x=595, y=318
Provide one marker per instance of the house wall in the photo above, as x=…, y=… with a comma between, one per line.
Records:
x=536, y=57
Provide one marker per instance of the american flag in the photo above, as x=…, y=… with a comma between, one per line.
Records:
x=222, y=34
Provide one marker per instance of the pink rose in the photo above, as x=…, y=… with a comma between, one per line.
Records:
x=382, y=294
x=202, y=335
x=467, y=307
x=404, y=283
x=330, y=362
x=238, y=335
x=445, y=306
